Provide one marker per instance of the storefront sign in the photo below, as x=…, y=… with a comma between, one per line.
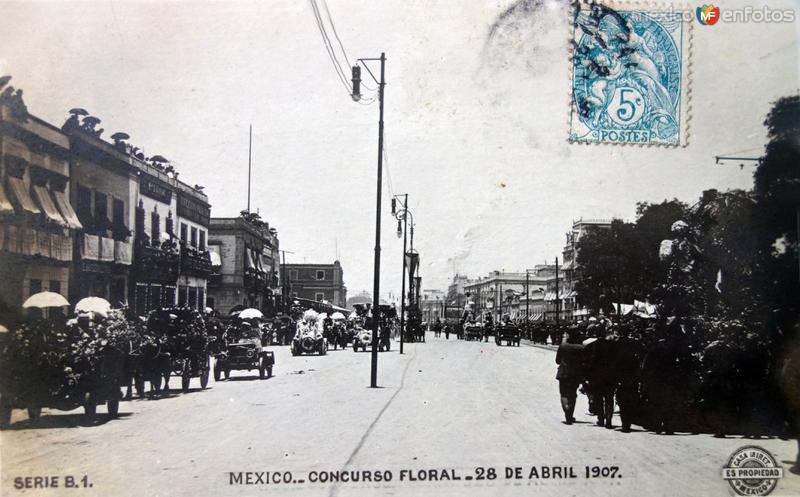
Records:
x=193, y=210
x=151, y=187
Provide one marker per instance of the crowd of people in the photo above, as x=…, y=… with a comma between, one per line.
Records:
x=665, y=378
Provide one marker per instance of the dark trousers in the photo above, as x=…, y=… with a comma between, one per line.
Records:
x=568, y=389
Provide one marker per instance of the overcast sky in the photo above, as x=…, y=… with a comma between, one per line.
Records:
x=476, y=125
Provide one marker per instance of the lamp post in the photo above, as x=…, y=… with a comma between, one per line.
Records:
x=402, y=216
x=376, y=285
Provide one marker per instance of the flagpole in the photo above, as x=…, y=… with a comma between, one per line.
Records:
x=249, y=166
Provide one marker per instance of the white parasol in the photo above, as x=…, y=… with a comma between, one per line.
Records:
x=337, y=316
x=97, y=305
x=251, y=314
x=45, y=299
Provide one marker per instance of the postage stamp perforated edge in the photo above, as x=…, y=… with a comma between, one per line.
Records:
x=685, y=116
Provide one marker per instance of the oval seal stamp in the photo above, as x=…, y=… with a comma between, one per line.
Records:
x=752, y=470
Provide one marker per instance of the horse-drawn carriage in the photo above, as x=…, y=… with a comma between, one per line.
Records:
x=508, y=332
x=49, y=366
x=181, y=335
x=473, y=331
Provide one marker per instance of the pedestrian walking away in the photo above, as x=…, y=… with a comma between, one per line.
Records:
x=569, y=358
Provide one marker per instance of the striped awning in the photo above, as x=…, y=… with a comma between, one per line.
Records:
x=21, y=194
x=62, y=202
x=46, y=203
x=5, y=204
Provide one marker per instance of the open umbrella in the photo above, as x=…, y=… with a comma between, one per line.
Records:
x=43, y=300
x=159, y=158
x=337, y=315
x=119, y=135
x=77, y=111
x=91, y=120
x=251, y=314
x=93, y=304
x=3, y=329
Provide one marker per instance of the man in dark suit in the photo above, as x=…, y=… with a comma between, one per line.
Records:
x=569, y=358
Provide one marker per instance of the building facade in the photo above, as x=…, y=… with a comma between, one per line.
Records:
x=569, y=271
x=37, y=222
x=245, y=256
x=103, y=192
x=320, y=282
x=192, y=224
x=494, y=293
x=433, y=304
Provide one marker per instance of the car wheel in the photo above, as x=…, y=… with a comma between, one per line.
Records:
x=227, y=373
x=34, y=413
x=355, y=347
x=262, y=368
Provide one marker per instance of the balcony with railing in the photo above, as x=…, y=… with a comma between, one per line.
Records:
x=195, y=262
x=157, y=262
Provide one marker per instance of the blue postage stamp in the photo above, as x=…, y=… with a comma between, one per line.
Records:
x=630, y=74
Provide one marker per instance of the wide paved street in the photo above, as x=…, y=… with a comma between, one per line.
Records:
x=453, y=406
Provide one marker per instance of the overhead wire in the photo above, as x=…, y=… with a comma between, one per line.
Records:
x=339, y=40
x=329, y=46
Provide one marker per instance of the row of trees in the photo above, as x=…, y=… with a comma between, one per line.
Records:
x=729, y=256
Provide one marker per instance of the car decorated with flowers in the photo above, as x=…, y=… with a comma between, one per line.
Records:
x=309, y=338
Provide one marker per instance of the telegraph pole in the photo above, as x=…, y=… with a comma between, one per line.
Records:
x=376, y=285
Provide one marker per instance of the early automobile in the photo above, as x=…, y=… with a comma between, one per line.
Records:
x=60, y=368
x=473, y=331
x=242, y=349
x=508, y=332
x=362, y=338
x=309, y=338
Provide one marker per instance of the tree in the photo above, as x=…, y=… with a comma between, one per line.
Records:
x=777, y=193
x=621, y=264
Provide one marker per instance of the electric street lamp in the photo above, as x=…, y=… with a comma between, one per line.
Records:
x=402, y=217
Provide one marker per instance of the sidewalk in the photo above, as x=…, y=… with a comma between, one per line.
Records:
x=539, y=345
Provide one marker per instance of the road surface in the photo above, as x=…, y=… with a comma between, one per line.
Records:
x=445, y=409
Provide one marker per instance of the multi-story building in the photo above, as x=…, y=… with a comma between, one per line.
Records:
x=433, y=304
x=37, y=222
x=245, y=254
x=192, y=223
x=494, y=293
x=531, y=302
x=320, y=282
x=103, y=191
x=119, y=194
x=569, y=271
